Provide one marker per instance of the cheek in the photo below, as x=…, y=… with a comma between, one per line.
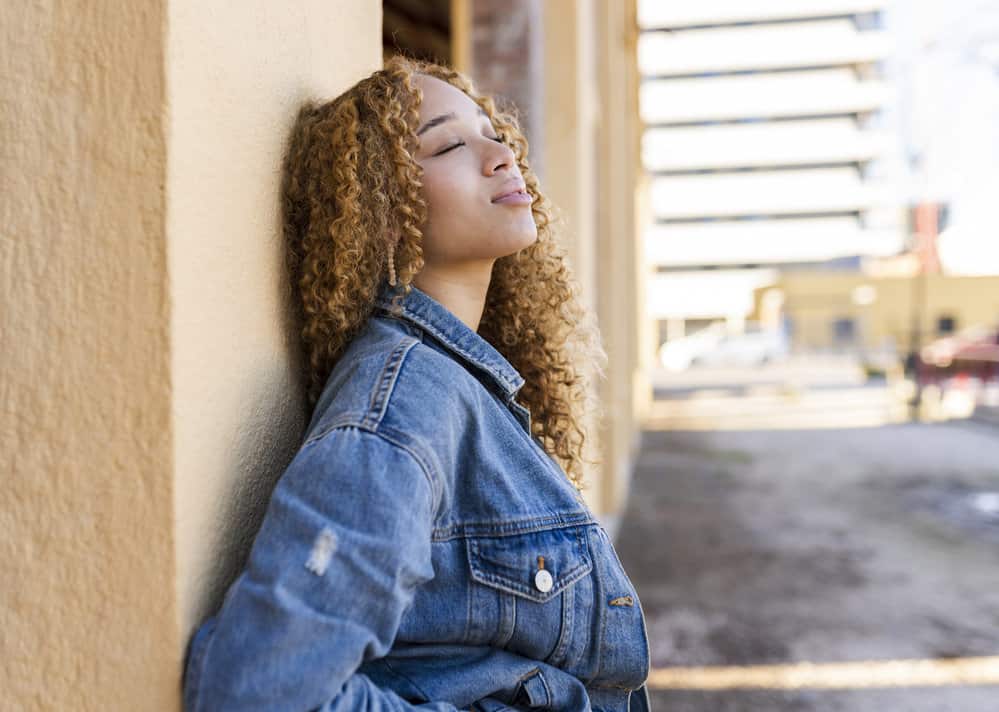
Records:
x=446, y=194
x=452, y=210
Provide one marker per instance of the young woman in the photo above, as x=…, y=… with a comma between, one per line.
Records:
x=428, y=546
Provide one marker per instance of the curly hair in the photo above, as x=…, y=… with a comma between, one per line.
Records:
x=351, y=205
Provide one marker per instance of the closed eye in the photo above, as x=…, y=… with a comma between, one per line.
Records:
x=460, y=143
x=498, y=139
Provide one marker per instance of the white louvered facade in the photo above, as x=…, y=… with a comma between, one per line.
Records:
x=761, y=133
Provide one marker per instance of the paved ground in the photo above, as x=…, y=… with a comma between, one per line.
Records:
x=767, y=546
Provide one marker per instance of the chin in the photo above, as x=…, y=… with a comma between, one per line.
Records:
x=511, y=241
x=524, y=240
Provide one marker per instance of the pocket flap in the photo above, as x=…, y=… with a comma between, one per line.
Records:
x=511, y=562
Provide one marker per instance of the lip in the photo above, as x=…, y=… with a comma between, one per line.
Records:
x=514, y=192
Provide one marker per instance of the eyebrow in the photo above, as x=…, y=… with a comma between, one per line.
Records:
x=438, y=120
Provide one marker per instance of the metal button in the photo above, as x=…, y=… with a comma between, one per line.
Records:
x=543, y=580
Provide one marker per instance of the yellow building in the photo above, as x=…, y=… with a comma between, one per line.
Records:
x=843, y=310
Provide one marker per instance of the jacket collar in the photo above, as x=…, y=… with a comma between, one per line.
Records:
x=422, y=310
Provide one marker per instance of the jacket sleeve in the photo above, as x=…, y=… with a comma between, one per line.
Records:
x=344, y=542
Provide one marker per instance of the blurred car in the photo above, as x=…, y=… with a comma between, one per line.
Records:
x=678, y=354
x=967, y=359
x=715, y=346
x=955, y=375
x=971, y=349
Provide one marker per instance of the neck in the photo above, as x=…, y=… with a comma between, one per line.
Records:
x=463, y=294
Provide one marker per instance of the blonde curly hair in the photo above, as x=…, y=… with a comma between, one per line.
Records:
x=352, y=207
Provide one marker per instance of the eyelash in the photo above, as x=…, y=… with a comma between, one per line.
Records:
x=498, y=139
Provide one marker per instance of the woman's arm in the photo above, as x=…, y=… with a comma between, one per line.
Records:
x=345, y=541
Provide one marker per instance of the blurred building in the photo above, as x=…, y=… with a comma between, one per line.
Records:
x=944, y=67
x=847, y=310
x=765, y=140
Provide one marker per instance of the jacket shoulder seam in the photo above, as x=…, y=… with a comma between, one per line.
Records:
x=389, y=436
x=381, y=393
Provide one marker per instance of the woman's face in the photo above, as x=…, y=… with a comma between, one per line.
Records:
x=464, y=168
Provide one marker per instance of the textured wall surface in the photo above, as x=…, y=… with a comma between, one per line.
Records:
x=150, y=386
x=236, y=80
x=87, y=605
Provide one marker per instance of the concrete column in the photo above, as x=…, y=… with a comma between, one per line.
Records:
x=570, y=131
x=621, y=271
x=571, y=150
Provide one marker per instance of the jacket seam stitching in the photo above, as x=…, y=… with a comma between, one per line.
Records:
x=521, y=526
x=344, y=421
x=406, y=678
x=385, y=384
x=548, y=690
x=428, y=472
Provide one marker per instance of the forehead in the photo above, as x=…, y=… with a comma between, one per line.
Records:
x=439, y=96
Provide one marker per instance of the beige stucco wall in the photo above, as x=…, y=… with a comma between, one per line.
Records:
x=149, y=387
x=86, y=532
x=235, y=82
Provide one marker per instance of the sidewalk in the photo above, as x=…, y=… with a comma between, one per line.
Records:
x=987, y=414
x=781, y=546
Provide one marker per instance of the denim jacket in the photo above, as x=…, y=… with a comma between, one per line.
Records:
x=423, y=551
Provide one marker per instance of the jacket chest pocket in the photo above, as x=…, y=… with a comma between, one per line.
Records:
x=531, y=593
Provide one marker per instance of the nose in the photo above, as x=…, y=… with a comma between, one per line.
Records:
x=502, y=157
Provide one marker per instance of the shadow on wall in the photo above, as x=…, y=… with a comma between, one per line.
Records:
x=256, y=465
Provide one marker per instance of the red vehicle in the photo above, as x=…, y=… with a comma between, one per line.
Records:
x=968, y=361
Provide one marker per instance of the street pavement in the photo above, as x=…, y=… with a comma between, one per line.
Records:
x=823, y=543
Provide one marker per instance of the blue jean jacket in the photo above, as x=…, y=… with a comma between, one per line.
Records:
x=422, y=551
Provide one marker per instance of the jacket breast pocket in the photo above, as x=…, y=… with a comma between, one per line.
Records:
x=531, y=593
